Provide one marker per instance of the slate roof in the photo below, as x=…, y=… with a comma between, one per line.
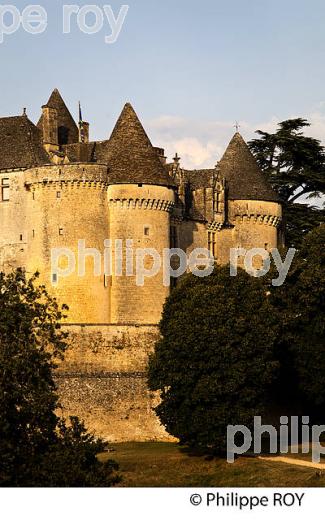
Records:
x=130, y=155
x=20, y=144
x=81, y=152
x=245, y=179
x=200, y=178
x=68, y=130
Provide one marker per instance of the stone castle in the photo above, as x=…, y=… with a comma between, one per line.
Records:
x=58, y=187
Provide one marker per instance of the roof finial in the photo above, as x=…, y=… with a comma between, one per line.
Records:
x=176, y=159
x=24, y=112
x=237, y=126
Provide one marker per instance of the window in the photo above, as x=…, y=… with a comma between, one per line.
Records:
x=60, y=231
x=21, y=238
x=5, y=190
x=146, y=231
x=217, y=201
x=54, y=278
x=107, y=281
x=173, y=237
x=62, y=135
x=212, y=243
x=58, y=194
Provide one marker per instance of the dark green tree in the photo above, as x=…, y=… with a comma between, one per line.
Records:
x=35, y=445
x=301, y=302
x=295, y=166
x=214, y=364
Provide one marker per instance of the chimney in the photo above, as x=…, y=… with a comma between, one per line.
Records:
x=161, y=154
x=50, y=128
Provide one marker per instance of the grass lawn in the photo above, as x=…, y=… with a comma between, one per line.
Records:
x=162, y=464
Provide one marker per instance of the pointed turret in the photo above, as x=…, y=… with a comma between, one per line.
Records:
x=67, y=130
x=131, y=157
x=56, y=100
x=245, y=179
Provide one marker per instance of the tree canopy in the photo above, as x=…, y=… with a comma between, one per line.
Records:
x=301, y=301
x=232, y=348
x=36, y=447
x=295, y=165
x=214, y=364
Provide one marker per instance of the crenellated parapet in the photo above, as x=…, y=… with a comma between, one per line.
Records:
x=146, y=204
x=267, y=220
x=255, y=212
x=77, y=175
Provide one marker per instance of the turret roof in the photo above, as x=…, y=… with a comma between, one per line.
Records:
x=245, y=179
x=131, y=156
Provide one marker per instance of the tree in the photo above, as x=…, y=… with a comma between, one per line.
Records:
x=31, y=435
x=301, y=219
x=301, y=302
x=295, y=166
x=214, y=364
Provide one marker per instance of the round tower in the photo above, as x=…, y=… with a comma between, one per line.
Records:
x=140, y=199
x=253, y=210
x=139, y=224
x=68, y=215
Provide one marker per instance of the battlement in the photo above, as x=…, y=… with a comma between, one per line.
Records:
x=255, y=212
x=141, y=196
x=77, y=174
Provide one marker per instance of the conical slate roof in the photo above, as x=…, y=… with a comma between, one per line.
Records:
x=246, y=181
x=131, y=156
x=20, y=144
x=68, y=130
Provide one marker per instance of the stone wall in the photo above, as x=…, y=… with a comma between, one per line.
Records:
x=103, y=380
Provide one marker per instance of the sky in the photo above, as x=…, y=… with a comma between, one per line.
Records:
x=190, y=68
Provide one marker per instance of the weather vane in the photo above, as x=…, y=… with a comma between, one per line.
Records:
x=237, y=126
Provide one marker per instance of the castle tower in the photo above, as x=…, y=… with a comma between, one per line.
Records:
x=253, y=207
x=67, y=209
x=140, y=198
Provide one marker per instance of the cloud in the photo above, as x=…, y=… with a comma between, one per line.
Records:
x=201, y=144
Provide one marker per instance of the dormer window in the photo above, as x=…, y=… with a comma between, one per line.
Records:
x=4, y=190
